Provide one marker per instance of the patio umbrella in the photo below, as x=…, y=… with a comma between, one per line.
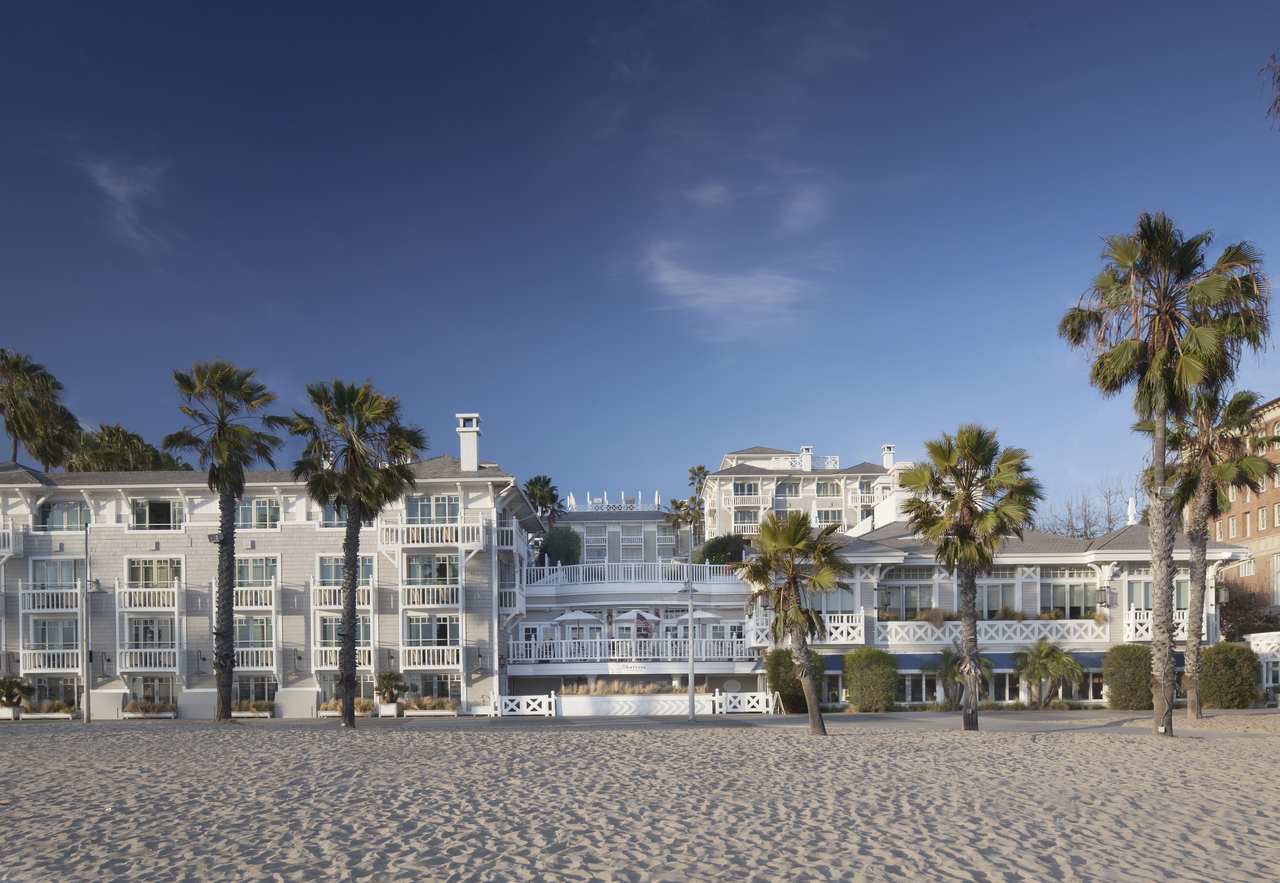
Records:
x=700, y=614
x=635, y=616
x=576, y=616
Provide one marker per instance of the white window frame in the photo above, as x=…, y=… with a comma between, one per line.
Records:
x=336, y=567
x=632, y=546
x=152, y=583
x=830, y=485
x=253, y=507
x=261, y=571
x=595, y=544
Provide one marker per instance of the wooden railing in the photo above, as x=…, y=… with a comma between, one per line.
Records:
x=49, y=598
x=254, y=596
x=430, y=657
x=637, y=572
x=147, y=597
x=256, y=657
x=148, y=659
x=466, y=531
x=430, y=595
x=1137, y=625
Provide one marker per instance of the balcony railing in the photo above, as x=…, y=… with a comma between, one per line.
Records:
x=261, y=658
x=327, y=657
x=430, y=595
x=628, y=650
x=636, y=572
x=148, y=659
x=135, y=598
x=10, y=539
x=328, y=596
x=172, y=524
x=251, y=596
x=753, y=501
x=49, y=597
x=747, y=530
x=55, y=659
x=430, y=657
x=466, y=531
x=993, y=631
x=1137, y=625
x=511, y=598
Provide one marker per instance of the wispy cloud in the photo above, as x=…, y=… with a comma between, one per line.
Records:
x=731, y=305
x=709, y=194
x=803, y=209
x=127, y=187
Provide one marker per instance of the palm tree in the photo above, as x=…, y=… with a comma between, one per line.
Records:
x=1271, y=70
x=545, y=497
x=791, y=563
x=358, y=457
x=57, y=434
x=28, y=393
x=1046, y=661
x=1161, y=319
x=697, y=478
x=948, y=671
x=966, y=500
x=224, y=405
x=112, y=448
x=1215, y=444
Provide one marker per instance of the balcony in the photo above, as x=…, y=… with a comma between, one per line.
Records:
x=746, y=529
x=255, y=596
x=138, y=599
x=49, y=598
x=10, y=539
x=150, y=658
x=636, y=572
x=511, y=535
x=432, y=595
x=255, y=658
x=1137, y=625
x=327, y=657
x=412, y=657
x=746, y=501
x=628, y=650
x=511, y=597
x=994, y=631
x=329, y=597
x=467, y=531
x=45, y=660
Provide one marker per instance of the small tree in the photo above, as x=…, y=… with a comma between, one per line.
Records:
x=1230, y=676
x=390, y=685
x=1044, y=661
x=780, y=675
x=870, y=679
x=561, y=545
x=725, y=549
x=1126, y=673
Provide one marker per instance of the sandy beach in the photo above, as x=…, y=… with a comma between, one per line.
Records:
x=877, y=800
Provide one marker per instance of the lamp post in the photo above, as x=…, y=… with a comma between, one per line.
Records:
x=688, y=591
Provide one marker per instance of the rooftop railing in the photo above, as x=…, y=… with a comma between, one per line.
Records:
x=634, y=572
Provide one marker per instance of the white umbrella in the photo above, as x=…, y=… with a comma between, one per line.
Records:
x=700, y=614
x=577, y=616
x=635, y=616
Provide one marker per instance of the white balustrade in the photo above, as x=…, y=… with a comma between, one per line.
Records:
x=527, y=706
x=993, y=631
x=50, y=660
x=256, y=658
x=627, y=650
x=743, y=703
x=331, y=596
x=634, y=572
x=430, y=657
x=37, y=598
x=749, y=501
x=148, y=659
x=1265, y=644
x=467, y=531
x=746, y=530
x=430, y=595
x=253, y=596
x=1137, y=625
x=844, y=628
x=147, y=597
x=327, y=657
x=510, y=598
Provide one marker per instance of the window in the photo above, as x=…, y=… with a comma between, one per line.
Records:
x=788, y=489
x=54, y=572
x=746, y=516
x=596, y=547
x=431, y=570
x=260, y=514
x=1232, y=531
x=332, y=515
x=915, y=573
x=435, y=685
x=253, y=631
x=331, y=627
x=746, y=488
x=997, y=600
x=1275, y=515
x=633, y=542
x=903, y=602
x=1246, y=569
x=1003, y=687
x=53, y=634
x=151, y=688
x=331, y=571
x=439, y=509
x=828, y=489
x=432, y=631
x=1248, y=524
x=1087, y=689
x=838, y=600
x=159, y=515
x=150, y=631
x=68, y=515
x=1217, y=530
x=1275, y=579
x=666, y=541
x=830, y=516
x=917, y=688
x=1068, y=600
x=154, y=573
x=1262, y=519
x=330, y=688
x=1231, y=493
x=1003, y=572
x=254, y=688
x=1138, y=594
x=255, y=572
x=1181, y=593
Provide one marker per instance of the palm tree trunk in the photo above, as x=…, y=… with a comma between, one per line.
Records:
x=14, y=442
x=1198, y=534
x=347, y=651
x=224, y=632
x=803, y=658
x=1161, y=587
x=967, y=581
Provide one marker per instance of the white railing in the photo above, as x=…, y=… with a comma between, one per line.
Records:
x=1264, y=643
x=327, y=657
x=510, y=597
x=466, y=531
x=430, y=595
x=992, y=631
x=42, y=660
x=753, y=501
x=637, y=572
x=527, y=706
x=7, y=540
x=173, y=524
x=859, y=499
x=747, y=530
x=148, y=659
x=627, y=650
x=331, y=596
x=430, y=657
x=254, y=596
x=1137, y=625
x=844, y=628
x=511, y=535
x=147, y=598
x=37, y=598
x=256, y=657
x=743, y=703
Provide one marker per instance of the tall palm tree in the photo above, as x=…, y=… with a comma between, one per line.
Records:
x=966, y=499
x=112, y=448
x=227, y=434
x=545, y=497
x=697, y=478
x=1046, y=661
x=1216, y=446
x=791, y=563
x=947, y=669
x=1160, y=319
x=28, y=393
x=57, y=434
x=358, y=457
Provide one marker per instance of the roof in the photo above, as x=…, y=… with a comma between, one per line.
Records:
x=748, y=469
x=1134, y=537
x=1131, y=538
x=621, y=515
x=761, y=449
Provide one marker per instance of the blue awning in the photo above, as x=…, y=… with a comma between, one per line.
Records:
x=833, y=663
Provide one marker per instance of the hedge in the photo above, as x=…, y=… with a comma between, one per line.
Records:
x=870, y=679
x=724, y=549
x=780, y=670
x=562, y=545
x=1126, y=672
x=1229, y=676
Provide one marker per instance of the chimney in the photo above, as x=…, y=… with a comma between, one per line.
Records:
x=469, y=441
x=1132, y=517
x=886, y=455
x=806, y=458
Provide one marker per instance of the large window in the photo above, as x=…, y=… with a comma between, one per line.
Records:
x=439, y=509
x=596, y=547
x=666, y=542
x=150, y=631
x=1138, y=590
x=1065, y=594
x=1087, y=689
x=254, y=688
x=331, y=570
x=154, y=573
x=432, y=631
x=333, y=515
x=151, y=688
x=67, y=515
x=997, y=600
x=633, y=542
x=256, y=572
x=435, y=685
x=828, y=489
x=1003, y=687
x=788, y=489
x=331, y=627
x=746, y=488
x=253, y=631
x=746, y=516
x=159, y=514
x=53, y=634
x=917, y=688
x=258, y=514
x=830, y=516
x=56, y=572
x=431, y=570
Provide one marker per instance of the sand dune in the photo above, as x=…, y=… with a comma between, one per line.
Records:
x=288, y=800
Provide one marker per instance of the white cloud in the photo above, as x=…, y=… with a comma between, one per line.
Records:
x=731, y=305
x=803, y=209
x=709, y=194
x=126, y=187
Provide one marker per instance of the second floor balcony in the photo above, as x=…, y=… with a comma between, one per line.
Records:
x=148, y=657
x=50, y=659
x=325, y=657
x=49, y=597
x=147, y=596
x=255, y=658
x=421, y=656
x=628, y=650
x=628, y=572
x=467, y=531
x=328, y=596
x=1137, y=625
x=430, y=594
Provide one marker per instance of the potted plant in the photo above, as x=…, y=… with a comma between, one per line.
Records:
x=389, y=686
x=12, y=692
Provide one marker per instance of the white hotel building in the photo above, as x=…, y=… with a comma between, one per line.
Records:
x=451, y=595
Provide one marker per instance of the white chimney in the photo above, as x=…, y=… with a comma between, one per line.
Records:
x=886, y=456
x=1132, y=517
x=806, y=458
x=468, y=441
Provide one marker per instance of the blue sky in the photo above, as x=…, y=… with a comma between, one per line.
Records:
x=632, y=236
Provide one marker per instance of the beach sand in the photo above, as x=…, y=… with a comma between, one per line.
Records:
x=284, y=800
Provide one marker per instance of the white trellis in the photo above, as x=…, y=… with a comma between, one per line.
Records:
x=527, y=706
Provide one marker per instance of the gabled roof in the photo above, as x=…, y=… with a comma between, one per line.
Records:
x=12, y=473
x=1135, y=538
x=761, y=449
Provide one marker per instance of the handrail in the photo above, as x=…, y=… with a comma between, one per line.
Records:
x=628, y=572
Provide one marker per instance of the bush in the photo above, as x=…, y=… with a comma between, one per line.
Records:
x=724, y=549
x=935, y=616
x=1245, y=613
x=780, y=671
x=561, y=546
x=1229, y=676
x=870, y=679
x=1126, y=672
x=141, y=706
x=1058, y=705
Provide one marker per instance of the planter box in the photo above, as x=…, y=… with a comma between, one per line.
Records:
x=46, y=716
x=416, y=712
x=10, y=712
x=251, y=714
x=388, y=709
x=149, y=715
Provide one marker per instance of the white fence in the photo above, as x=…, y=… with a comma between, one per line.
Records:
x=519, y=706
x=430, y=595
x=60, y=660
x=49, y=598
x=627, y=650
x=148, y=659
x=430, y=657
x=744, y=703
x=649, y=705
x=1137, y=625
x=993, y=631
x=331, y=596
x=260, y=658
x=327, y=657
x=637, y=572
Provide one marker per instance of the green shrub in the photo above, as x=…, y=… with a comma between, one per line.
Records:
x=1229, y=676
x=870, y=679
x=724, y=549
x=1126, y=672
x=561, y=546
x=780, y=670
